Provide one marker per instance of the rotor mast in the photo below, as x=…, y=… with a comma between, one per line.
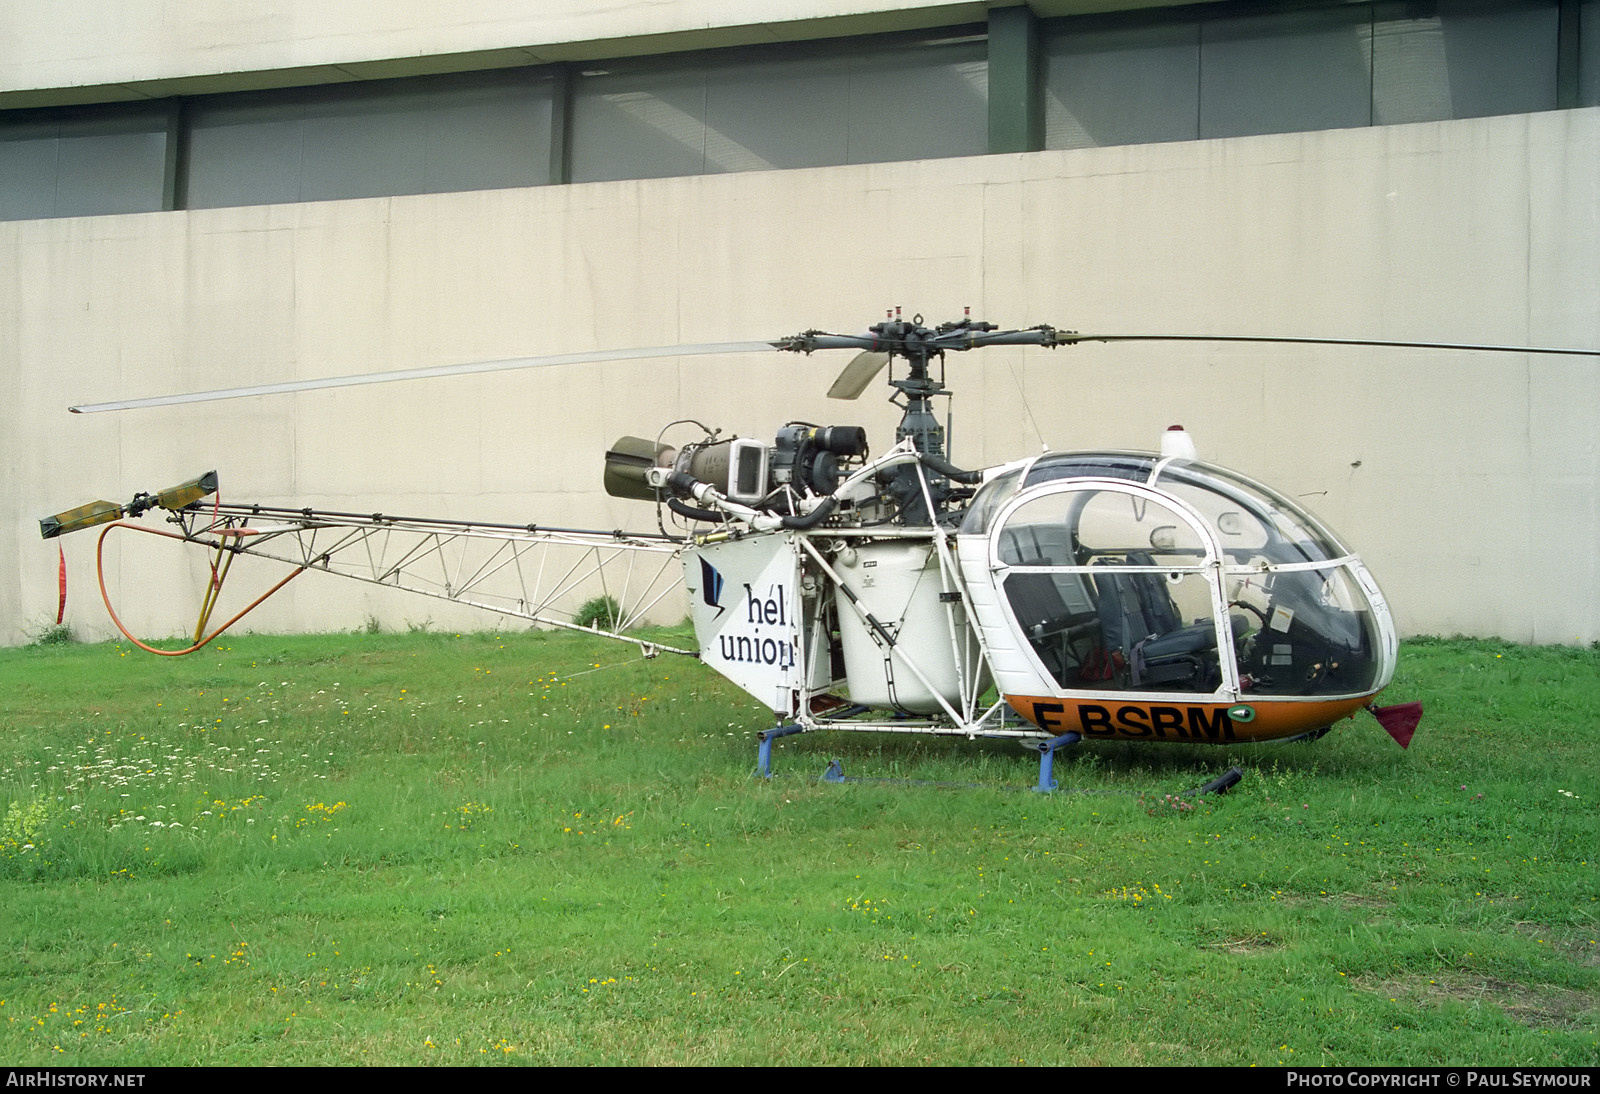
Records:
x=918, y=421
x=918, y=345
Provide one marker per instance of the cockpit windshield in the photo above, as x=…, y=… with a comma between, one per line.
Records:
x=988, y=500
x=1248, y=518
x=1174, y=575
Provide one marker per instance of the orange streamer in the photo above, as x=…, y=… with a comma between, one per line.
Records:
x=213, y=587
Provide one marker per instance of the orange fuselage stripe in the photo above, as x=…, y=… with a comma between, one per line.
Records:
x=1138, y=719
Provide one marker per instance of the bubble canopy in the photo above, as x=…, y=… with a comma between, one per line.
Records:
x=1134, y=572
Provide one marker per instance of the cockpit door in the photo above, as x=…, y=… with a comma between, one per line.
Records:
x=1115, y=587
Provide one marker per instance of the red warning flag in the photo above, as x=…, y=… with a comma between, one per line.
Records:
x=1399, y=721
x=61, y=607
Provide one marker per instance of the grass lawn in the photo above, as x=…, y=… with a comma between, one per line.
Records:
x=530, y=848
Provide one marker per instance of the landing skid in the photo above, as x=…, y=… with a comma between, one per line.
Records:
x=1046, y=748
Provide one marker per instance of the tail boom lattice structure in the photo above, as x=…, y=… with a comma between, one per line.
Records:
x=525, y=571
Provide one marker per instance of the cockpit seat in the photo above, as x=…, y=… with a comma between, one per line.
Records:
x=1050, y=623
x=1133, y=606
x=1038, y=604
x=1173, y=658
x=1139, y=618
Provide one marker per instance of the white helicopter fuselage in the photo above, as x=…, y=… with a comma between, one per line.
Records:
x=1115, y=595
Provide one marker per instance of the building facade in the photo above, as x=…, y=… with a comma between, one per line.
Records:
x=214, y=196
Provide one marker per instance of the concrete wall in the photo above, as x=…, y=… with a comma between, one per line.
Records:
x=73, y=51
x=1469, y=482
x=149, y=48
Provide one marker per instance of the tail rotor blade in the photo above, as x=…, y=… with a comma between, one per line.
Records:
x=74, y=520
x=104, y=512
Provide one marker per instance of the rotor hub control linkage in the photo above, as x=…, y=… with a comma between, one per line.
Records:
x=918, y=345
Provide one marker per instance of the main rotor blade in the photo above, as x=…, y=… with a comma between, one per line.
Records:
x=427, y=372
x=1471, y=347
x=860, y=372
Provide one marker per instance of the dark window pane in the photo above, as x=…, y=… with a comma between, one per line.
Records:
x=371, y=141
x=1589, y=53
x=639, y=124
x=110, y=173
x=783, y=112
x=1127, y=85
x=1462, y=59
x=488, y=141
x=920, y=104
x=362, y=148
x=82, y=166
x=751, y=110
x=244, y=155
x=28, y=178
x=1285, y=72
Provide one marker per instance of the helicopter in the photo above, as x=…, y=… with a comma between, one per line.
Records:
x=1060, y=598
